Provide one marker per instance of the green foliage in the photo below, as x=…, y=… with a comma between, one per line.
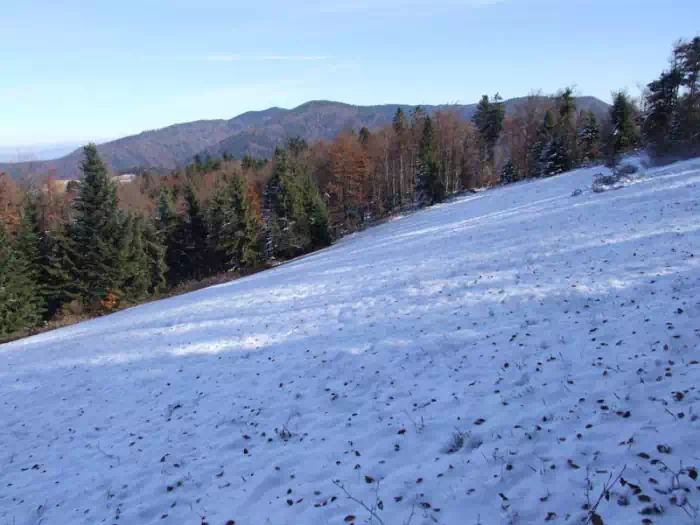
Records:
x=488, y=120
x=565, y=133
x=155, y=253
x=187, y=255
x=227, y=226
x=295, y=217
x=545, y=133
x=251, y=163
x=252, y=239
x=429, y=188
x=21, y=304
x=135, y=279
x=96, y=232
x=623, y=134
x=671, y=123
x=317, y=213
x=589, y=137
x=508, y=173
x=58, y=277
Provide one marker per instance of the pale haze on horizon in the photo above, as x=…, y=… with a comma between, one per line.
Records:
x=72, y=72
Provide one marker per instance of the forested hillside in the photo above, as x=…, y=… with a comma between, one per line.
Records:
x=255, y=133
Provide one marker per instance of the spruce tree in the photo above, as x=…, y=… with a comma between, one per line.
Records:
x=508, y=173
x=565, y=134
x=427, y=179
x=317, y=210
x=165, y=213
x=135, y=280
x=28, y=245
x=488, y=119
x=21, y=305
x=252, y=239
x=588, y=137
x=95, y=232
x=195, y=235
x=187, y=255
x=624, y=133
x=231, y=208
x=662, y=106
x=58, y=278
x=541, y=149
x=687, y=58
x=276, y=208
x=155, y=251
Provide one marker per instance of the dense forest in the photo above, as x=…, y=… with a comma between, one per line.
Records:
x=70, y=251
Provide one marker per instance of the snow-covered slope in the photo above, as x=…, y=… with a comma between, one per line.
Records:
x=495, y=359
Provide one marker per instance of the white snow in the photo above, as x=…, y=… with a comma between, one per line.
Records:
x=480, y=360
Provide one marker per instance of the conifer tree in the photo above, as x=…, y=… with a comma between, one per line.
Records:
x=687, y=58
x=488, y=120
x=165, y=213
x=232, y=234
x=58, y=278
x=662, y=107
x=252, y=239
x=317, y=211
x=20, y=303
x=186, y=255
x=135, y=279
x=624, y=133
x=589, y=137
x=28, y=246
x=541, y=149
x=195, y=235
x=95, y=232
x=427, y=180
x=155, y=252
x=566, y=131
x=508, y=173
x=400, y=127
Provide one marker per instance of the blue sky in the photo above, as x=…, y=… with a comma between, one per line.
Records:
x=73, y=70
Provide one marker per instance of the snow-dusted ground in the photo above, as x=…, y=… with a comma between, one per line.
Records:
x=483, y=361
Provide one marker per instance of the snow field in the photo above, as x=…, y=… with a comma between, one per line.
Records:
x=501, y=358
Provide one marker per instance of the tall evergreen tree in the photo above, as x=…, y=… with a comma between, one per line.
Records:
x=135, y=279
x=588, y=137
x=155, y=250
x=195, y=235
x=28, y=246
x=95, y=232
x=20, y=303
x=508, y=173
x=624, y=133
x=165, y=213
x=232, y=236
x=186, y=254
x=662, y=107
x=566, y=131
x=400, y=126
x=58, y=278
x=687, y=60
x=251, y=251
x=540, y=149
x=427, y=180
x=488, y=120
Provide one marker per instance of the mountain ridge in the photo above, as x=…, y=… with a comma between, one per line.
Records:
x=253, y=132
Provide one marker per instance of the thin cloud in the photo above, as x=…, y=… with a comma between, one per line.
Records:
x=295, y=58
x=220, y=58
x=262, y=58
x=349, y=6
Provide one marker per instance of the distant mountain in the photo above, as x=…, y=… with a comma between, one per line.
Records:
x=255, y=133
x=36, y=152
